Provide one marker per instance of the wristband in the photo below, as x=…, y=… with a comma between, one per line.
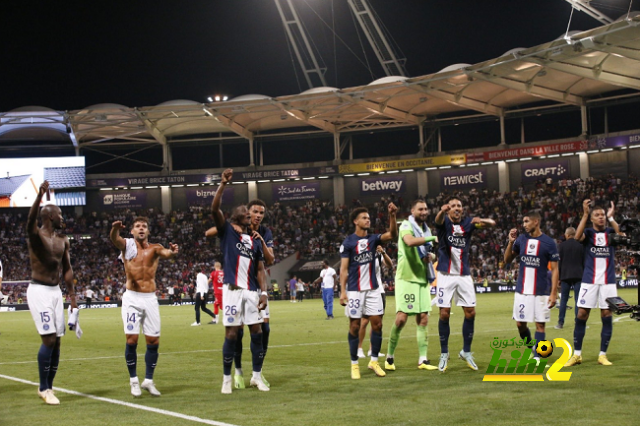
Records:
x=610, y=219
x=264, y=293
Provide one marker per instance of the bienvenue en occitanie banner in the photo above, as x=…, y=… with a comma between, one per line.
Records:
x=383, y=166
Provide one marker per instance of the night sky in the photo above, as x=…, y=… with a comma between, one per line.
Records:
x=72, y=54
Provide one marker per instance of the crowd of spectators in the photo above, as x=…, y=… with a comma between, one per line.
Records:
x=313, y=230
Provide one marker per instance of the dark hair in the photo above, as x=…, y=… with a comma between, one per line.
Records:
x=453, y=197
x=235, y=213
x=142, y=219
x=357, y=212
x=325, y=262
x=598, y=207
x=416, y=201
x=257, y=202
x=533, y=215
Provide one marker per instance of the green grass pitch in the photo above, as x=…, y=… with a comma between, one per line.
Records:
x=308, y=368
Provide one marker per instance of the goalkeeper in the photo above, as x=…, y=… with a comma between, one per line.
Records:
x=412, y=290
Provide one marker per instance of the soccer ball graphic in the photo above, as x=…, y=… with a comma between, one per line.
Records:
x=544, y=348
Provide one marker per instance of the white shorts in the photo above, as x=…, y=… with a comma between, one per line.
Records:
x=265, y=312
x=240, y=307
x=460, y=286
x=363, y=303
x=594, y=295
x=531, y=308
x=47, y=308
x=140, y=309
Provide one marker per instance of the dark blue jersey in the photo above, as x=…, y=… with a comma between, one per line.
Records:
x=241, y=256
x=266, y=234
x=599, y=265
x=453, y=246
x=535, y=255
x=361, y=252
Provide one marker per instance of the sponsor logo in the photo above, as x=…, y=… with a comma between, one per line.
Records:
x=381, y=185
x=520, y=367
x=558, y=170
x=108, y=199
x=459, y=180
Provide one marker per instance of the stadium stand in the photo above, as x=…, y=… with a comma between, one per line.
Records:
x=313, y=230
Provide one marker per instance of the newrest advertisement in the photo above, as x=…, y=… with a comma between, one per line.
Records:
x=464, y=178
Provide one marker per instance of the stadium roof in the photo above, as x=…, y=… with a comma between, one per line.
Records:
x=9, y=185
x=571, y=70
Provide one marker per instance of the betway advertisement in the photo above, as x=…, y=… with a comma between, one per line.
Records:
x=533, y=171
x=464, y=178
x=383, y=185
x=296, y=191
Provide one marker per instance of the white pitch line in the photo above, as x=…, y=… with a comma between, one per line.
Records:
x=126, y=404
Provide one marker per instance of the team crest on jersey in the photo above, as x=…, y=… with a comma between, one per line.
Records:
x=363, y=245
x=457, y=231
x=532, y=247
x=601, y=239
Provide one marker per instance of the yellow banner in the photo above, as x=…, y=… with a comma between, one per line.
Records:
x=383, y=166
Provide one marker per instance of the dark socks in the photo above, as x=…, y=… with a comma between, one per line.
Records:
x=526, y=336
x=353, y=347
x=44, y=366
x=578, y=334
x=131, y=356
x=266, y=330
x=444, y=331
x=467, y=333
x=237, y=353
x=257, y=351
x=540, y=336
x=607, y=331
x=151, y=359
x=228, y=350
x=53, y=369
x=376, y=342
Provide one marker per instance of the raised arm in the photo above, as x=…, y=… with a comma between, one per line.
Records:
x=392, y=233
x=32, y=219
x=583, y=222
x=486, y=222
x=612, y=221
x=115, y=237
x=218, y=217
x=440, y=216
x=167, y=253
x=386, y=260
x=67, y=274
x=509, y=255
x=211, y=232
